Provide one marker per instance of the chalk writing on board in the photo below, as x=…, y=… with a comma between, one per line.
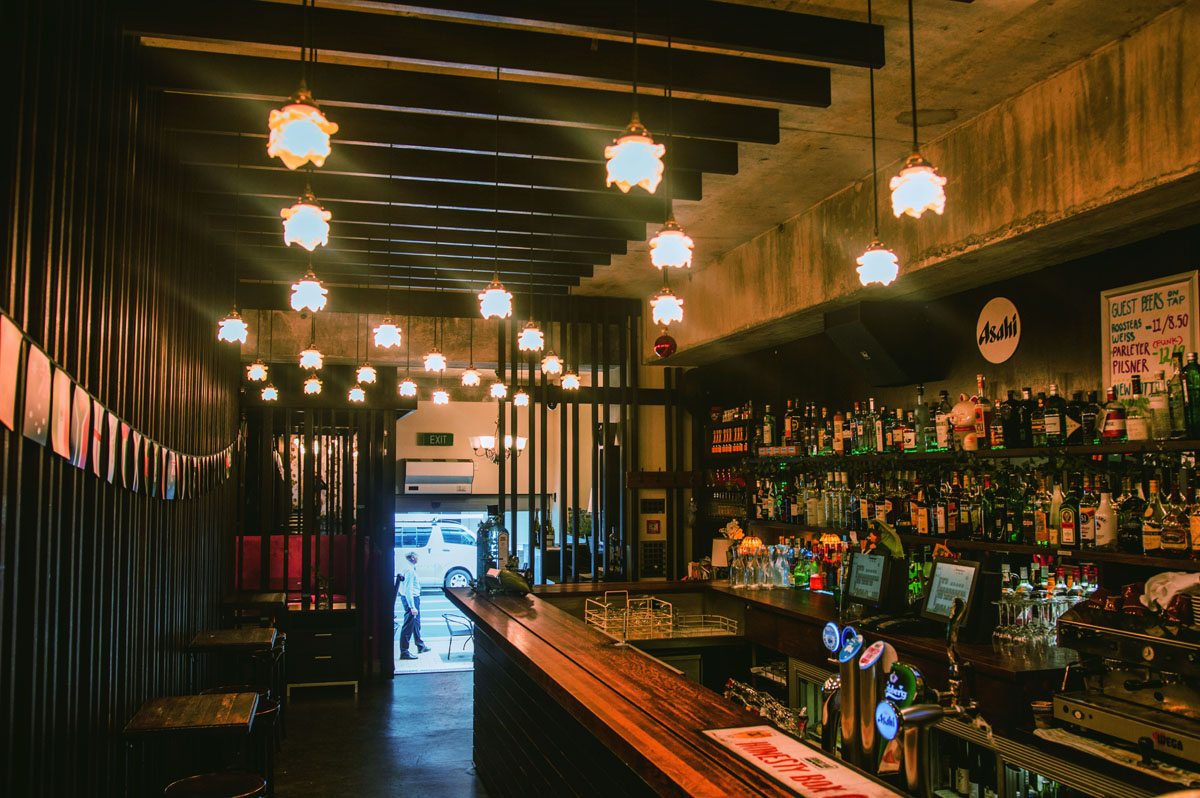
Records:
x=1144, y=326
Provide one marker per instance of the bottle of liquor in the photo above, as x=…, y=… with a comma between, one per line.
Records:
x=1025, y=418
x=1106, y=522
x=768, y=427
x=883, y=430
x=921, y=421
x=1041, y=514
x=787, y=424
x=1074, y=420
x=1194, y=523
x=1068, y=520
x=1191, y=396
x=1089, y=505
x=998, y=425
x=1152, y=521
x=983, y=414
x=1174, y=541
x=1137, y=422
x=996, y=520
x=1052, y=518
x=839, y=433
x=1176, y=405
x=1055, y=417
x=1037, y=421
x=942, y=421
x=1158, y=407
x=1130, y=509
x=1112, y=429
x=1090, y=418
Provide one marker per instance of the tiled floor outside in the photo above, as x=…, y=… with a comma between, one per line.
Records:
x=437, y=636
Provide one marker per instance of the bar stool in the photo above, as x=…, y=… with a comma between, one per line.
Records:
x=263, y=741
x=228, y=784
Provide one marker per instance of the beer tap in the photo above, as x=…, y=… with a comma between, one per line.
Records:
x=956, y=701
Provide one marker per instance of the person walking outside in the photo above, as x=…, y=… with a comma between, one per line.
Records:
x=410, y=598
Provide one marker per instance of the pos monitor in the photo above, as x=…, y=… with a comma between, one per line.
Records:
x=949, y=580
x=868, y=579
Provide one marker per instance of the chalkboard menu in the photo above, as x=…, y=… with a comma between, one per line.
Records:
x=1143, y=325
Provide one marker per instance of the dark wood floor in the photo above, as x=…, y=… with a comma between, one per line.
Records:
x=410, y=736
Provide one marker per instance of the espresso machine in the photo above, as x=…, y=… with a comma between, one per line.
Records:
x=1137, y=682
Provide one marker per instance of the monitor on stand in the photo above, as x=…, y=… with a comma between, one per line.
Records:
x=949, y=580
x=868, y=579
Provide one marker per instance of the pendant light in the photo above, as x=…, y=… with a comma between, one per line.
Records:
x=521, y=399
x=634, y=159
x=671, y=247
x=570, y=381
x=309, y=293
x=299, y=132
x=434, y=361
x=233, y=329
x=407, y=387
x=256, y=371
x=387, y=334
x=552, y=364
x=366, y=372
x=495, y=302
x=269, y=394
x=531, y=338
x=665, y=307
x=311, y=358
x=918, y=187
x=878, y=264
x=470, y=377
x=312, y=385
x=498, y=389
x=570, y=378
x=306, y=223
x=441, y=396
x=357, y=394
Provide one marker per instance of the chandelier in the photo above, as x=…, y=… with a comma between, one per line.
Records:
x=570, y=381
x=671, y=247
x=312, y=385
x=498, y=390
x=311, y=358
x=306, y=223
x=256, y=371
x=531, y=338
x=665, y=307
x=552, y=363
x=309, y=293
x=366, y=373
x=299, y=132
x=877, y=265
x=269, y=394
x=357, y=394
x=434, y=361
x=232, y=328
x=441, y=397
x=387, y=334
x=495, y=302
x=408, y=387
x=485, y=446
x=470, y=377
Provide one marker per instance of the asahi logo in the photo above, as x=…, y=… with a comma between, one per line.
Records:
x=998, y=331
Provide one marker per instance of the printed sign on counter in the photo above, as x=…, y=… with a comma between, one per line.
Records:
x=797, y=766
x=1143, y=325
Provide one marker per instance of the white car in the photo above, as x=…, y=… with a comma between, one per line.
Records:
x=445, y=552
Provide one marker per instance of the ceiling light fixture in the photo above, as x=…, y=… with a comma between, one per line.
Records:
x=232, y=328
x=366, y=373
x=531, y=338
x=634, y=159
x=256, y=371
x=570, y=381
x=357, y=394
x=312, y=385
x=671, y=247
x=878, y=264
x=498, y=390
x=309, y=293
x=485, y=446
x=470, y=377
x=434, y=361
x=387, y=334
x=408, y=387
x=269, y=394
x=306, y=223
x=665, y=307
x=441, y=397
x=918, y=187
x=552, y=363
x=521, y=399
x=311, y=358
x=299, y=131
x=495, y=302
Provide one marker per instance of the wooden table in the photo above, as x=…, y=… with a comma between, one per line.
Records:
x=275, y=601
x=233, y=641
x=227, y=712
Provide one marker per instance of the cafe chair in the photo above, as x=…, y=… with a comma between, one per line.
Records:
x=458, y=626
x=264, y=739
x=227, y=784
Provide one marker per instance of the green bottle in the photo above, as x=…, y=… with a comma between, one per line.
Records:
x=1191, y=396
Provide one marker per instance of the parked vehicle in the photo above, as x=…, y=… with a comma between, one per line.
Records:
x=445, y=552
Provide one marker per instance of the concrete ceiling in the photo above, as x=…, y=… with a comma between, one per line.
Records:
x=970, y=57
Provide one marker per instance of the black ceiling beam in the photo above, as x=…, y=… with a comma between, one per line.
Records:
x=214, y=114
x=402, y=191
x=481, y=220
x=264, y=78
x=446, y=304
x=376, y=248
x=716, y=25
x=297, y=259
x=355, y=159
x=392, y=37
x=251, y=227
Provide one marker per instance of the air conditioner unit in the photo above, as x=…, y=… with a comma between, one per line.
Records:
x=438, y=476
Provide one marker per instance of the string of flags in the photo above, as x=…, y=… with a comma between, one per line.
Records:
x=57, y=411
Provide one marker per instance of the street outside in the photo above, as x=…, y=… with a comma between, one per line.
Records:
x=433, y=629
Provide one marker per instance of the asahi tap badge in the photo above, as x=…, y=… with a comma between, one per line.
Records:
x=998, y=330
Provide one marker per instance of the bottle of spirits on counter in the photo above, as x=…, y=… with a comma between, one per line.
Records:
x=1194, y=522
x=1174, y=539
x=1137, y=422
x=1052, y=518
x=1130, y=510
x=1191, y=396
x=1113, y=426
x=1055, y=417
x=1176, y=405
x=1068, y=519
x=1152, y=521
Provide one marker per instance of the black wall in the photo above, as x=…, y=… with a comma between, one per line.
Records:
x=1060, y=340
x=101, y=588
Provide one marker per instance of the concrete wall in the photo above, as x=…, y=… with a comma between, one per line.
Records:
x=1099, y=154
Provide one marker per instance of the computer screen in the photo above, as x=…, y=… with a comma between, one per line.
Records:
x=866, y=577
x=950, y=579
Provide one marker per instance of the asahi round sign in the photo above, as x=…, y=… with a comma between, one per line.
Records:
x=998, y=330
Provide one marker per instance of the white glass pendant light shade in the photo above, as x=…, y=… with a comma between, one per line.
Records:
x=408, y=387
x=495, y=302
x=671, y=247
x=508, y=442
x=312, y=385
x=256, y=371
x=232, y=328
x=357, y=394
x=269, y=394
x=311, y=358
x=877, y=265
x=306, y=223
x=531, y=338
x=498, y=390
x=470, y=377
x=441, y=397
x=309, y=293
x=366, y=374
x=521, y=399
x=665, y=307
x=434, y=361
x=552, y=363
x=570, y=381
x=387, y=334
x=918, y=188
x=299, y=132
x=635, y=159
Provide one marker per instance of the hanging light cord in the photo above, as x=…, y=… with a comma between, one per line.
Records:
x=874, y=163
x=668, y=183
x=237, y=217
x=635, y=57
x=496, y=187
x=912, y=73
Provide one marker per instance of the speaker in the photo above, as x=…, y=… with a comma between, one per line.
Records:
x=892, y=343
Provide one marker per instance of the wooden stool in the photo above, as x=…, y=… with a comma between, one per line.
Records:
x=264, y=737
x=229, y=784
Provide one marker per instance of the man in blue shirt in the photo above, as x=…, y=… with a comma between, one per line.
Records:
x=410, y=599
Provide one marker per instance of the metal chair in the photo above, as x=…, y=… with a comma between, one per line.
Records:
x=458, y=626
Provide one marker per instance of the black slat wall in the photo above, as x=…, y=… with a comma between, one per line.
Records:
x=101, y=588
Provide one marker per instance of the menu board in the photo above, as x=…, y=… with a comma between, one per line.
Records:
x=866, y=576
x=1143, y=325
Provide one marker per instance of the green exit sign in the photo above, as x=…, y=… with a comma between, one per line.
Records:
x=435, y=439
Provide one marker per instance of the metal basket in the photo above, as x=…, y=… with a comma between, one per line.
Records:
x=650, y=618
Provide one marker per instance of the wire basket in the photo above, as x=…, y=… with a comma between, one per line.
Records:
x=704, y=625
x=650, y=618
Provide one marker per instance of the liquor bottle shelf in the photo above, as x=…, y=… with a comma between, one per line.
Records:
x=1136, y=447
x=955, y=544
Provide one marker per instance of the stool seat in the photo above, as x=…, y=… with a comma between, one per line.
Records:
x=228, y=784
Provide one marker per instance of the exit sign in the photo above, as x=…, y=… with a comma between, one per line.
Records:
x=435, y=439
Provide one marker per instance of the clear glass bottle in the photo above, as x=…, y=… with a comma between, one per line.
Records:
x=1055, y=418
x=943, y=431
x=984, y=417
x=1158, y=406
x=921, y=421
x=1112, y=428
x=1137, y=419
x=1176, y=406
x=1174, y=539
x=1152, y=521
x=1037, y=422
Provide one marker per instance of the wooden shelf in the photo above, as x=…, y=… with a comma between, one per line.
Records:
x=954, y=544
x=1100, y=449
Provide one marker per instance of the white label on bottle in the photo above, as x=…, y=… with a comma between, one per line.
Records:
x=943, y=430
x=1072, y=425
x=1136, y=429
x=910, y=440
x=1053, y=424
x=1106, y=529
x=1087, y=525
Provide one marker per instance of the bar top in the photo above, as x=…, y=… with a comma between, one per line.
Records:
x=646, y=713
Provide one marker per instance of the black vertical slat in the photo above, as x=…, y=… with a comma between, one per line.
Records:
x=563, y=449
x=605, y=449
x=686, y=546
x=635, y=446
x=266, y=494
x=669, y=449
x=622, y=514
x=308, y=507
x=514, y=476
x=596, y=433
x=531, y=452
x=501, y=426
x=543, y=484
x=575, y=355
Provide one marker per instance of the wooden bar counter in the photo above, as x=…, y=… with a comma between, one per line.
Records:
x=560, y=709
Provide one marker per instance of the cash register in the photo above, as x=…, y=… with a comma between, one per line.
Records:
x=950, y=579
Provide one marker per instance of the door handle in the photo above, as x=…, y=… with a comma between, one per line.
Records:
x=446, y=550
